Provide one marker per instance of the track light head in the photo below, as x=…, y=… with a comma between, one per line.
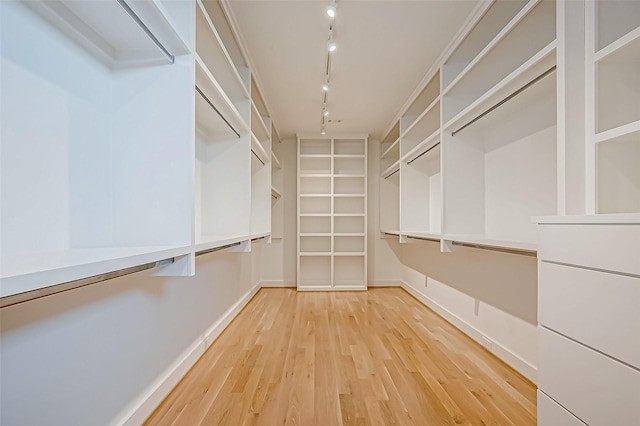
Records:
x=325, y=85
x=325, y=112
x=332, y=46
x=323, y=132
x=331, y=10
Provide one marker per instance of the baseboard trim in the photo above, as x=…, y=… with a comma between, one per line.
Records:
x=519, y=364
x=141, y=408
x=277, y=284
x=385, y=283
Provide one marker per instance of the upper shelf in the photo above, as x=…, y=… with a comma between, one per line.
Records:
x=275, y=163
x=216, y=116
x=214, y=54
x=119, y=33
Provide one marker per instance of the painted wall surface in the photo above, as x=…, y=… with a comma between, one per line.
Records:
x=383, y=267
x=88, y=356
x=485, y=293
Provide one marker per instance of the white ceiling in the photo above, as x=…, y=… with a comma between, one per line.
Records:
x=385, y=48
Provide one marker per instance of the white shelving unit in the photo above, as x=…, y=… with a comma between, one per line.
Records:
x=172, y=146
x=83, y=96
x=614, y=107
x=332, y=182
x=223, y=139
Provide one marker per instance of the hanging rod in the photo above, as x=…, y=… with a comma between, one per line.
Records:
x=523, y=252
x=214, y=249
x=392, y=173
x=146, y=30
x=254, y=153
x=82, y=282
x=259, y=238
x=409, y=162
x=216, y=110
x=508, y=98
x=435, y=240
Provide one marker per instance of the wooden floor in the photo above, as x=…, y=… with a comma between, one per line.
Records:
x=346, y=358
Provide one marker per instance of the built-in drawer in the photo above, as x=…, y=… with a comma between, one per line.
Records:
x=595, y=388
x=550, y=413
x=600, y=246
x=599, y=309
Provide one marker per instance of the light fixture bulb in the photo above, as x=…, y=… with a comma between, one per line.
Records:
x=325, y=86
x=325, y=112
x=331, y=10
x=332, y=46
x=323, y=132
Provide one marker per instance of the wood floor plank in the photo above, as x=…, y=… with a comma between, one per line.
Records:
x=346, y=358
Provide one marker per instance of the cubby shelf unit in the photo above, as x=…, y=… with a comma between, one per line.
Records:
x=332, y=182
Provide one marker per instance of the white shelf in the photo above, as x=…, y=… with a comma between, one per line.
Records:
x=627, y=47
x=315, y=214
x=213, y=52
x=421, y=123
x=316, y=195
x=393, y=151
x=391, y=169
x=349, y=254
x=107, y=31
x=348, y=215
x=260, y=129
x=315, y=156
x=617, y=219
x=315, y=175
x=33, y=271
x=493, y=43
x=259, y=149
x=347, y=175
x=315, y=254
x=211, y=241
x=275, y=163
x=423, y=146
x=487, y=241
x=626, y=132
x=540, y=62
x=348, y=195
x=348, y=156
x=315, y=234
x=209, y=122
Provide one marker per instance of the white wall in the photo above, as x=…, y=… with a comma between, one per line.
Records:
x=278, y=262
x=486, y=294
x=383, y=263
x=93, y=355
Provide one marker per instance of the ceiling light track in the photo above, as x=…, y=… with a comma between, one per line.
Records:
x=331, y=47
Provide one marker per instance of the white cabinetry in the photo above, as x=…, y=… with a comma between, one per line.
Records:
x=332, y=221
x=127, y=136
x=589, y=318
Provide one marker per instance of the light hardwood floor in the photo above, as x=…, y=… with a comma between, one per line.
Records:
x=346, y=358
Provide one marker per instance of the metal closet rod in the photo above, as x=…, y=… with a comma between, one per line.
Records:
x=435, y=240
x=72, y=285
x=146, y=30
x=392, y=173
x=216, y=110
x=259, y=159
x=508, y=98
x=214, y=249
x=409, y=162
x=522, y=252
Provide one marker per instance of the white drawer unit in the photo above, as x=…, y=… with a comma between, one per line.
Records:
x=601, y=310
x=551, y=413
x=589, y=320
x=595, y=388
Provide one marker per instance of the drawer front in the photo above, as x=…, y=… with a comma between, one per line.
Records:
x=595, y=388
x=599, y=309
x=608, y=247
x=550, y=413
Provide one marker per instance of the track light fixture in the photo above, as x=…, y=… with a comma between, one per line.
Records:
x=325, y=85
x=332, y=46
x=325, y=112
x=323, y=132
x=331, y=10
